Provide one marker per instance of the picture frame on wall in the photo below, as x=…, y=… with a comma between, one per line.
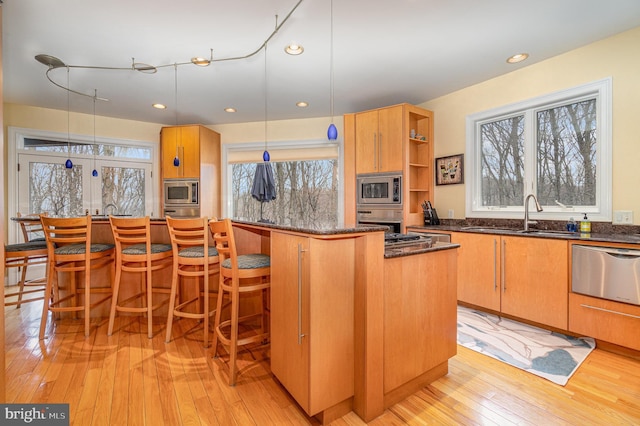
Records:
x=450, y=170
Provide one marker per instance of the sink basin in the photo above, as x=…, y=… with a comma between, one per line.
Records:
x=486, y=229
x=546, y=231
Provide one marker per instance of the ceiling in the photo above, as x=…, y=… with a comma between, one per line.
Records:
x=384, y=52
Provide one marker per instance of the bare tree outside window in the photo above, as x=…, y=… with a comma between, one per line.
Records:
x=123, y=188
x=121, y=183
x=565, y=157
x=502, y=158
x=55, y=189
x=567, y=154
x=307, y=193
x=557, y=146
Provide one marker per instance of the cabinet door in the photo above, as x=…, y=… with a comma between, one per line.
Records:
x=190, y=143
x=536, y=283
x=183, y=142
x=478, y=269
x=390, y=139
x=367, y=148
x=289, y=351
x=331, y=266
x=419, y=315
x=169, y=143
x=314, y=300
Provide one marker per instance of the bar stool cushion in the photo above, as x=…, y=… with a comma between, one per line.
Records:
x=197, y=251
x=140, y=249
x=81, y=248
x=249, y=261
x=31, y=245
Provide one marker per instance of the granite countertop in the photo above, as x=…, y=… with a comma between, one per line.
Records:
x=313, y=228
x=538, y=233
x=418, y=248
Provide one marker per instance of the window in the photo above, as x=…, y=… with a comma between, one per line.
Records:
x=40, y=182
x=307, y=183
x=556, y=147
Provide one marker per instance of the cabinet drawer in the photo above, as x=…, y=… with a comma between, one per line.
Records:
x=606, y=320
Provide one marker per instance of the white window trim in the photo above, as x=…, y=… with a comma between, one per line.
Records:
x=273, y=147
x=602, y=89
x=16, y=136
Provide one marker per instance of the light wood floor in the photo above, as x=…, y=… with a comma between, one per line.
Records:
x=127, y=379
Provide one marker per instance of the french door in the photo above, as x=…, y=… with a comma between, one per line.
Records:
x=118, y=187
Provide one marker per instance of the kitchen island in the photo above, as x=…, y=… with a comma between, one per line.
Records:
x=351, y=327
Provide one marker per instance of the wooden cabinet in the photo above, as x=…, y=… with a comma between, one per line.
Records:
x=198, y=149
x=312, y=318
x=419, y=315
x=182, y=142
x=535, y=279
x=519, y=276
x=613, y=322
x=380, y=141
x=479, y=266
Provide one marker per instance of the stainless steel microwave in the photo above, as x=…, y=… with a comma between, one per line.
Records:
x=183, y=192
x=384, y=189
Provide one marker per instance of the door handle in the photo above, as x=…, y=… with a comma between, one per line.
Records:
x=300, y=333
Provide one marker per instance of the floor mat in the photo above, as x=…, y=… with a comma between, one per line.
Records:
x=544, y=353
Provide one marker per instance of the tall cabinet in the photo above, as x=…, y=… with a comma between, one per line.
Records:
x=312, y=318
x=198, y=151
x=397, y=138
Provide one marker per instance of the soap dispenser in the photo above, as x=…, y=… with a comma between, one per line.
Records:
x=572, y=226
x=585, y=225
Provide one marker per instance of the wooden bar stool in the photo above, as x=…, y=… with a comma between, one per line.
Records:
x=239, y=275
x=136, y=253
x=193, y=258
x=32, y=252
x=70, y=250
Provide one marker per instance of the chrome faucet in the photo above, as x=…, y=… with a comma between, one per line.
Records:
x=528, y=222
x=113, y=207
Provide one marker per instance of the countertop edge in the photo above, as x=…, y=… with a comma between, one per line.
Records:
x=577, y=236
x=321, y=231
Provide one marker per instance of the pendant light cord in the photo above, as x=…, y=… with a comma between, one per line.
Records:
x=175, y=91
x=265, y=97
x=68, y=117
x=331, y=59
x=95, y=96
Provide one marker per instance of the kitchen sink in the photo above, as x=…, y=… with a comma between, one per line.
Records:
x=487, y=229
x=546, y=232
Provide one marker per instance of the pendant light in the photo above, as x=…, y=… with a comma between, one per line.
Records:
x=68, y=164
x=176, y=159
x=94, y=173
x=265, y=154
x=332, y=131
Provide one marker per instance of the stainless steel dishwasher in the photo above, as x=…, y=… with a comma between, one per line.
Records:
x=606, y=272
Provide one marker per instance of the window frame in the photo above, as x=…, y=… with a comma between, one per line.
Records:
x=291, y=150
x=602, y=211
x=16, y=136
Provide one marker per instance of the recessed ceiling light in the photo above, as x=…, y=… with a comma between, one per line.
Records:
x=159, y=106
x=517, y=58
x=294, y=49
x=302, y=104
x=229, y=109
